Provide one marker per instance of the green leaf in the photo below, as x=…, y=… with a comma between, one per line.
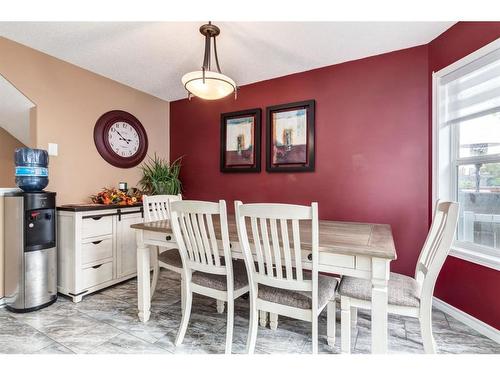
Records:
x=161, y=177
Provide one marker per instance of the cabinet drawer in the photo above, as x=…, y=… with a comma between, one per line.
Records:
x=97, y=226
x=97, y=250
x=338, y=260
x=96, y=275
x=168, y=238
x=363, y=263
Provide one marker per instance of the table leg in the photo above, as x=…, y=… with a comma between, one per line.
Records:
x=143, y=286
x=263, y=318
x=380, y=278
x=273, y=321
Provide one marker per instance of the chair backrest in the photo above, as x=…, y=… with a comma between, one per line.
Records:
x=276, y=243
x=156, y=207
x=195, y=233
x=436, y=247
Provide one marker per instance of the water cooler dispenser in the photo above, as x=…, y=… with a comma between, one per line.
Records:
x=30, y=252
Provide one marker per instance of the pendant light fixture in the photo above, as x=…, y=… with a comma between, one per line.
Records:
x=206, y=83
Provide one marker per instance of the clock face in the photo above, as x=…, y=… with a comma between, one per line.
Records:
x=123, y=139
x=120, y=139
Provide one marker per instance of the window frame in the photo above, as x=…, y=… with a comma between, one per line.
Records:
x=446, y=160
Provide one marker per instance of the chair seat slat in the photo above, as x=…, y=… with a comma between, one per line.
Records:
x=297, y=248
x=206, y=243
x=286, y=249
x=276, y=248
x=185, y=236
x=267, y=249
x=192, y=239
x=213, y=239
x=199, y=241
x=258, y=245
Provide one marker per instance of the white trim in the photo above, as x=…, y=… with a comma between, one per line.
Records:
x=2, y=301
x=476, y=324
x=476, y=257
x=444, y=188
x=435, y=138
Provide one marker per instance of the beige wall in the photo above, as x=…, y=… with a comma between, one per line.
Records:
x=68, y=101
x=8, y=145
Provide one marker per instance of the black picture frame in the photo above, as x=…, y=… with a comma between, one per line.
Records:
x=254, y=167
x=309, y=164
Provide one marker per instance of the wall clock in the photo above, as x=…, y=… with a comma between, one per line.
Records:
x=120, y=139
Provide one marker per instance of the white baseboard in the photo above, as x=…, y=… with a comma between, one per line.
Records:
x=2, y=301
x=474, y=323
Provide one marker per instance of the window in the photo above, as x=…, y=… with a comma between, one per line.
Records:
x=466, y=151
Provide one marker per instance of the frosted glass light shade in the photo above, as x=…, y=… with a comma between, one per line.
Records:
x=216, y=85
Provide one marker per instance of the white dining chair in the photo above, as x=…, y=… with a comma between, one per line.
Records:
x=274, y=261
x=206, y=270
x=156, y=207
x=406, y=295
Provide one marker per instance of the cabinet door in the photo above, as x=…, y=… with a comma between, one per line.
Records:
x=126, y=248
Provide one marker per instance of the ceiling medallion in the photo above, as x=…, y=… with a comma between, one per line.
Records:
x=205, y=83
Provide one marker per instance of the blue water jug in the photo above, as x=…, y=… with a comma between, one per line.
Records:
x=32, y=173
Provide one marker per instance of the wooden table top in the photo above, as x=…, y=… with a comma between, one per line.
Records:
x=340, y=237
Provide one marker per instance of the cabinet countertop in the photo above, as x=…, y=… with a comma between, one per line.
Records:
x=94, y=207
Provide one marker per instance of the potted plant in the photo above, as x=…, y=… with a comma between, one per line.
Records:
x=161, y=177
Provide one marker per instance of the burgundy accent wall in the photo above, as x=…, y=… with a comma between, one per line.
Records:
x=373, y=152
x=371, y=145
x=465, y=285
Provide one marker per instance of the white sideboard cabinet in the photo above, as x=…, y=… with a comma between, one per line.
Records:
x=96, y=247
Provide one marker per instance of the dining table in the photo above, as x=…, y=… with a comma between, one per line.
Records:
x=361, y=250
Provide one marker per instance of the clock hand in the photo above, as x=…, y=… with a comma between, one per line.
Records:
x=121, y=137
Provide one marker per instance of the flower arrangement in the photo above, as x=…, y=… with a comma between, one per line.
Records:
x=119, y=197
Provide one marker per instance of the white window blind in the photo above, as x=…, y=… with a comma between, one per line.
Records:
x=473, y=90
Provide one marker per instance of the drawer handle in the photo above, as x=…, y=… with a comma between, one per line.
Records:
x=96, y=242
x=96, y=217
x=230, y=245
x=310, y=256
x=168, y=238
x=96, y=267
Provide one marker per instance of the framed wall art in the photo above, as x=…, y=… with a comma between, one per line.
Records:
x=290, y=137
x=240, y=141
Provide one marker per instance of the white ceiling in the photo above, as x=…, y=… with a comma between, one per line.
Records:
x=153, y=56
x=14, y=111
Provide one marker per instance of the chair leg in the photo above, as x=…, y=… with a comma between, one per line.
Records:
x=330, y=323
x=354, y=316
x=273, y=321
x=220, y=306
x=230, y=323
x=345, y=324
x=263, y=318
x=426, y=330
x=252, y=327
x=156, y=270
x=314, y=334
x=186, y=312
x=183, y=295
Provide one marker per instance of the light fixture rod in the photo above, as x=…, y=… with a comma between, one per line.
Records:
x=216, y=58
x=206, y=59
x=210, y=31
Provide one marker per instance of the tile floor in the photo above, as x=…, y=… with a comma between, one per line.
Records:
x=106, y=322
